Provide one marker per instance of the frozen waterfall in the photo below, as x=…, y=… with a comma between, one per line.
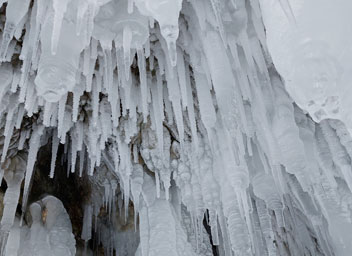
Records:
x=175, y=127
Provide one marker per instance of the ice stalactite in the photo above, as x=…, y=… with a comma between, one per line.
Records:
x=179, y=115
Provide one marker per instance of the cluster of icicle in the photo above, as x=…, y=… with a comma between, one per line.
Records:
x=180, y=102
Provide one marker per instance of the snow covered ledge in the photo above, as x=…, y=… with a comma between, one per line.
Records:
x=310, y=43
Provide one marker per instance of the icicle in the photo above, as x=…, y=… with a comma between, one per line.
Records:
x=54, y=148
x=74, y=149
x=206, y=107
x=112, y=197
x=158, y=112
x=47, y=113
x=10, y=124
x=157, y=181
x=60, y=7
x=15, y=11
x=95, y=99
x=77, y=93
x=168, y=24
x=172, y=47
x=106, y=185
x=213, y=221
x=174, y=97
x=143, y=82
x=22, y=139
x=127, y=38
x=20, y=116
x=222, y=77
x=81, y=161
x=181, y=71
x=34, y=145
x=15, y=82
x=80, y=17
x=61, y=114
x=190, y=110
x=86, y=234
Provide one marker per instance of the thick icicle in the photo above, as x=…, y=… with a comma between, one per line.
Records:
x=34, y=145
x=54, y=148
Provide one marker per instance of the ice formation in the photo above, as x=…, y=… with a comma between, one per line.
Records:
x=215, y=127
x=50, y=231
x=313, y=54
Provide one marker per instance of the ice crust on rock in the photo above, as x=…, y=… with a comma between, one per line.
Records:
x=203, y=126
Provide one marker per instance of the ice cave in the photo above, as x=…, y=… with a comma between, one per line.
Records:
x=175, y=127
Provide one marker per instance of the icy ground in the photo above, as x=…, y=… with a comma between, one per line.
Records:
x=199, y=127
